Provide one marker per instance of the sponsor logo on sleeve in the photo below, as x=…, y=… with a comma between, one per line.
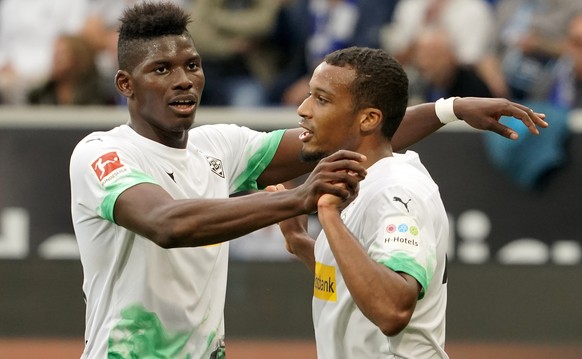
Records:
x=107, y=167
x=402, y=234
x=324, y=286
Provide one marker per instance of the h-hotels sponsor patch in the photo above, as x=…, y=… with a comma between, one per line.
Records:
x=106, y=165
x=324, y=286
x=401, y=233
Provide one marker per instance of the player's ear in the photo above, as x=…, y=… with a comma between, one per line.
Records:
x=123, y=83
x=370, y=119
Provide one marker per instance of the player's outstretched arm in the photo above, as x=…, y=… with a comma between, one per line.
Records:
x=419, y=122
x=480, y=113
x=150, y=211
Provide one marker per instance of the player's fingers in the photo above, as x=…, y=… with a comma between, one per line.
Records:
x=341, y=191
x=351, y=168
x=345, y=155
x=275, y=188
x=529, y=117
x=503, y=130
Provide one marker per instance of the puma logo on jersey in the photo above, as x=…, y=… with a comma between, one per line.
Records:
x=398, y=199
x=215, y=165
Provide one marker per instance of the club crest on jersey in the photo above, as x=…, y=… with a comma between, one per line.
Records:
x=107, y=165
x=215, y=165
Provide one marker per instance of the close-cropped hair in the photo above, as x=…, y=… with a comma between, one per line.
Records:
x=380, y=83
x=146, y=21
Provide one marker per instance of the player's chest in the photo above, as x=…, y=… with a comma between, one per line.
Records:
x=197, y=176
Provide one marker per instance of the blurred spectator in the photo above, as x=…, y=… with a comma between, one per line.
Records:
x=308, y=29
x=564, y=87
x=537, y=53
x=73, y=79
x=28, y=30
x=100, y=29
x=235, y=40
x=468, y=22
x=530, y=37
x=440, y=71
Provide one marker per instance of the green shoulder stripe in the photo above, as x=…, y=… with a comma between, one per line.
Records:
x=117, y=187
x=257, y=163
x=402, y=262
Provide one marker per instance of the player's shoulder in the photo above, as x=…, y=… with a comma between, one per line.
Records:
x=113, y=134
x=410, y=162
x=216, y=130
x=222, y=136
x=397, y=165
x=405, y=171
x=100, y=141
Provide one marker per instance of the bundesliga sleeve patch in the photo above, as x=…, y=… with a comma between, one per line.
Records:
x=107, y=167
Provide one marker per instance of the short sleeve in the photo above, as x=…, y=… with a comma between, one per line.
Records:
x=402, y=242
x=245, y=152
x=99, y=173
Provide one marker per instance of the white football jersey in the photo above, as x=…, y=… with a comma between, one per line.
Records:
x=399, y=219
x=144, y=300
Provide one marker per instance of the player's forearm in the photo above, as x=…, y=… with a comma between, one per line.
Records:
x=382, y=295
x=302, y=246
x=418, y=122
x=203, y=222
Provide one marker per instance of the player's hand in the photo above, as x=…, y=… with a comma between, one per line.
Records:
x=338, y=174
x=484, y=114
x=329, y=201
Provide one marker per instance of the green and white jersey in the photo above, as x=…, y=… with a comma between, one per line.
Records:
x=399, y=219
x=144, y=301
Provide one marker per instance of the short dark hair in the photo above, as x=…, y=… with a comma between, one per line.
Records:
x=380, y=83
x=146, y=21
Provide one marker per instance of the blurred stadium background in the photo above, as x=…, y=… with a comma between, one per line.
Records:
x=515, y=254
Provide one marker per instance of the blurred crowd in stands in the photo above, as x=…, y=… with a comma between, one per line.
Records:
x=262, y=52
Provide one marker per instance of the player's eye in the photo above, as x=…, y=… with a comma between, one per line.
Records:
x=161, y=69
x=321, y=100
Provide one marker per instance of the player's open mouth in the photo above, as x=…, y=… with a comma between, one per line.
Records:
x=184, y=105
x=306, y=136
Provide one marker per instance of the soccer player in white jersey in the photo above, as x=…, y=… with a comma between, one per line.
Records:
x=143, y=190
x=380, y=288
x=150, y=199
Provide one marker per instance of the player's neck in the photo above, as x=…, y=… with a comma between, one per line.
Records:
x=375, y=151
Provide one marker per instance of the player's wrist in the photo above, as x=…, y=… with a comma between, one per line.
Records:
x=327, y=212
x=445, y=110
